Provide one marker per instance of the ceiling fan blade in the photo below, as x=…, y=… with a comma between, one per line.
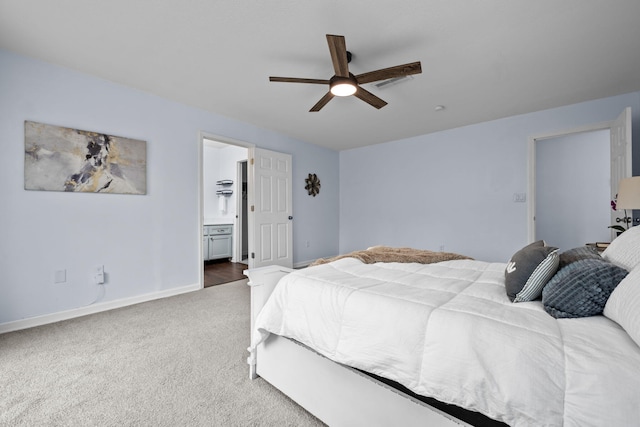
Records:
x=297, y=80
x=323, y=101
x=369, y=98
x=389, y=73
x=338, y=50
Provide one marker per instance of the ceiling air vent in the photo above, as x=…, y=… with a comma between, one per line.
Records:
x=390, y=82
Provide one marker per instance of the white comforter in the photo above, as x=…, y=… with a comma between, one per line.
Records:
x=448, y=330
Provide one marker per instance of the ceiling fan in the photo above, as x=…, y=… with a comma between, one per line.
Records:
x=343, y=83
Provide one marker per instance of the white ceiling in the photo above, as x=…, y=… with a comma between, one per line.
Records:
x=482, y=60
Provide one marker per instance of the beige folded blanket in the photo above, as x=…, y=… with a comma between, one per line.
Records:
x=389, y=254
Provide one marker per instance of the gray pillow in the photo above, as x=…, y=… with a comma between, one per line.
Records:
x=529, y=270
x=576, y=254
x=581, y=289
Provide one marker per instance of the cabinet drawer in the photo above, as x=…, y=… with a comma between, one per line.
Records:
x=215, y=230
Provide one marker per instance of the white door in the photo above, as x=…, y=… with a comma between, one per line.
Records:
x=620, y=160
x=270, y=233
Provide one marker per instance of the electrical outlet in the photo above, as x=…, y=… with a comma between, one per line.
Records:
x=98, y=275
x=519, y=197
x=60, y=276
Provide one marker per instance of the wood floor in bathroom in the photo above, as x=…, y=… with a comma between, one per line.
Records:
x=222, y=271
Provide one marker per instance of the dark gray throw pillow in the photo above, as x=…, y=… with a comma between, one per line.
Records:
x=529, y=270
x=581, y=289
x=576, y=254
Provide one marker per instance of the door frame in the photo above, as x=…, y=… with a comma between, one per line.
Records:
x=531, y=168
x=202, y=135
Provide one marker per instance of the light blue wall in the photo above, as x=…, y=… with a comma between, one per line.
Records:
x=146, y=243
x=455, y=188
x=450, y=188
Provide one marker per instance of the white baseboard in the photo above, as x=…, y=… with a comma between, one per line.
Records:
x=31, y=322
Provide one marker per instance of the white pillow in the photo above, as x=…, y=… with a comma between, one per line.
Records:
x=623, y=306
x=624, y=251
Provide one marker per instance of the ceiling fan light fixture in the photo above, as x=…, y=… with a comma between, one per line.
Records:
x=343, y=89
x=343, y=86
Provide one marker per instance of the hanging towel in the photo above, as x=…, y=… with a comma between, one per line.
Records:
x=222, y=204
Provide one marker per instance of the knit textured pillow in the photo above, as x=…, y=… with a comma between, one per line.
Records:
x=582, y=288
x=576, y=254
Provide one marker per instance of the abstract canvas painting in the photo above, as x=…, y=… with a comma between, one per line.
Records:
x=64, y=159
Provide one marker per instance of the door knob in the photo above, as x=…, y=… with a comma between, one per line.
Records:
x=290, y=217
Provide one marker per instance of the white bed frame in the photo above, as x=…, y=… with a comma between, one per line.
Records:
x=336, y=394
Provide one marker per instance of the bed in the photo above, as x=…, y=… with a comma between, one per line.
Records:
x=360, y=343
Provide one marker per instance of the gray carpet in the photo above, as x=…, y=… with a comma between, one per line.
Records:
x=179, y=361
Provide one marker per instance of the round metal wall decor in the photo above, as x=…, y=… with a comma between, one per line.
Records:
x=313, y=184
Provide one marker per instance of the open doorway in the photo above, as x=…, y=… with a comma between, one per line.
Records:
x=573, y=190
x=269, y=210
x=617, y=135
x=224, y=213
